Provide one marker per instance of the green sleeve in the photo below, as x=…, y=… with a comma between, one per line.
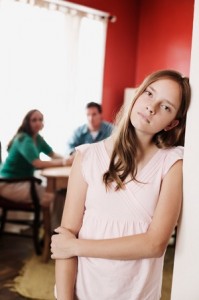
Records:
x=43, y=146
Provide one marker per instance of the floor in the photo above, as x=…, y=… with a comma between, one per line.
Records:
x=15, y=250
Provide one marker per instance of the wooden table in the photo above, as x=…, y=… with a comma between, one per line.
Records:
x=57, y=178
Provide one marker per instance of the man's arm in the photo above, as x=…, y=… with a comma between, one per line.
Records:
x=73, y=142
x=106, y=129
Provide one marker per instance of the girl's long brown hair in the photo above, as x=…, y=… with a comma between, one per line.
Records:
x=123, y=161
x=24, y=127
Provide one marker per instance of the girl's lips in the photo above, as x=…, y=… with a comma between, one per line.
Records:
x=144, y=117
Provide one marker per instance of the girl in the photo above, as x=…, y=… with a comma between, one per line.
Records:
x=23, y=158
x=116, y=225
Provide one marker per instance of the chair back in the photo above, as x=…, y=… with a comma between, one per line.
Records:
x=34, y=207
x=0, y=154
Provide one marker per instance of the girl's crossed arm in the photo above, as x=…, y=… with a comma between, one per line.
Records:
x=65, y=270
x=146, y=245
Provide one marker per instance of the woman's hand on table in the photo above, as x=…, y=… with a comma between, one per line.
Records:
x=68, y=161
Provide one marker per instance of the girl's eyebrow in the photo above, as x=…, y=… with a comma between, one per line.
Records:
x=171, y=104
x=149, y=86
x=165, y=100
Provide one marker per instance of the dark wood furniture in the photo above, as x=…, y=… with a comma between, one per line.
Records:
x=34, y=207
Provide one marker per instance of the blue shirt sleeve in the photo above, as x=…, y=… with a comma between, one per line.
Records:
x=74, y=141
x=82, y=136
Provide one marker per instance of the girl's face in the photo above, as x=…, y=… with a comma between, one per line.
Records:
x=157, y=107
x=36, y=122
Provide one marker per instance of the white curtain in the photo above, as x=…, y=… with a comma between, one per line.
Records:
x=51, y=61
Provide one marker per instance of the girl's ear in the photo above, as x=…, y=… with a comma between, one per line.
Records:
x=173, y=124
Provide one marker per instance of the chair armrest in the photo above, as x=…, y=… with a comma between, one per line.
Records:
x=11, y=180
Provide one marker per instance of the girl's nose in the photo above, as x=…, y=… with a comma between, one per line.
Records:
x=150, y=109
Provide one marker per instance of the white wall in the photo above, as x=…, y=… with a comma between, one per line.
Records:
x=128, y=95
x=186, y=265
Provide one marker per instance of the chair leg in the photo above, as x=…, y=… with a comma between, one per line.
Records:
x=3, y=220
x=47, y=233
x=36, y=237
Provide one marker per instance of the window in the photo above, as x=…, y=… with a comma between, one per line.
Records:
x=50, y=60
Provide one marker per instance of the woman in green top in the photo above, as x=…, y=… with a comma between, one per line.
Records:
x=24, y=158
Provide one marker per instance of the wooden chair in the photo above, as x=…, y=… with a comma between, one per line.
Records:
x=34, y=207
x=41, y=216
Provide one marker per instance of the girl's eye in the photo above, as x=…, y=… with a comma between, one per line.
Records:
x=36, y=119
x=165, y=107
x=148, y=92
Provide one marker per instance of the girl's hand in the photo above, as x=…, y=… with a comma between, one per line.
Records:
x=62, y=244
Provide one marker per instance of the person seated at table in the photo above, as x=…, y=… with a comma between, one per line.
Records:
x=94, y=131
x=24, y=158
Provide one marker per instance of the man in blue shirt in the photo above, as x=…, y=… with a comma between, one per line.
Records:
x=95, y=130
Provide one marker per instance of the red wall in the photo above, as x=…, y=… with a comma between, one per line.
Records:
x=164, y=39
x=148, y=35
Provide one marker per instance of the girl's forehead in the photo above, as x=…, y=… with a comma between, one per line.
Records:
x=163, y=81
x=165, y=84
x=167, y=89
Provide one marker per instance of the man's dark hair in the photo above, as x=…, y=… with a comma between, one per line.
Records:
x=96, y=105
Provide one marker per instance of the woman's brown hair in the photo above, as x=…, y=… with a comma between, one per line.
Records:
x=123, y=161
x=24, y=127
